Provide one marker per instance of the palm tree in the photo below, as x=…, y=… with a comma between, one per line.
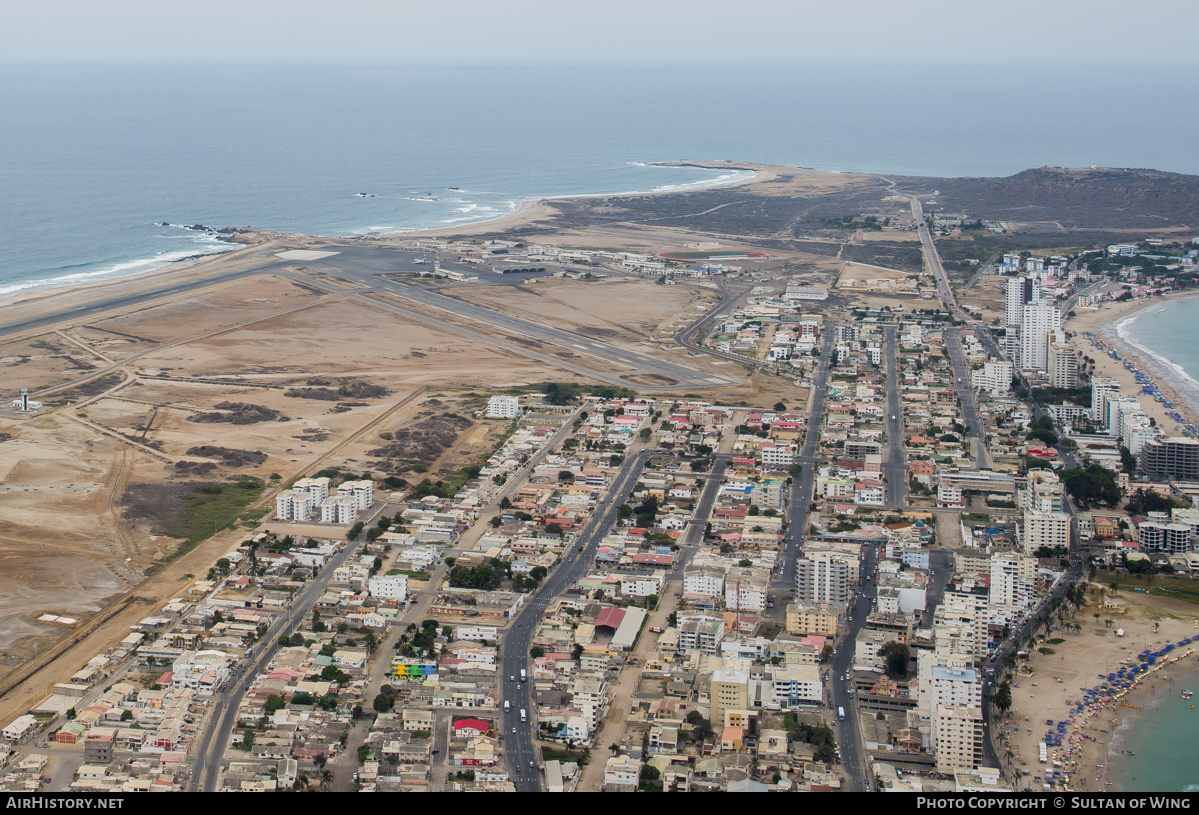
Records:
x=1156, y=626
x=1002, y=698
x=1108, y=622
x=301, y=781
x=1114, y=586
x=326, y=779
x=1096, y=618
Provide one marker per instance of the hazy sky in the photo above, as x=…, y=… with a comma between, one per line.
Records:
x=604, y=32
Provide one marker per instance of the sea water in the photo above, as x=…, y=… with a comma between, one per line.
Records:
x=1165, y=335
x=1164, y=738
x=94, y=159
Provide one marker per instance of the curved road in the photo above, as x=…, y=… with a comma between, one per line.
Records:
x=685, y=337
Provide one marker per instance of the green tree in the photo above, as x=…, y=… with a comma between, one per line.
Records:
x=703, y=731
x=383, y=703
x=895, y=657
x=247, y=739
x=1002, y=698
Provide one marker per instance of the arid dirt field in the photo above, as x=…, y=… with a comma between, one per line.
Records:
x=623, y=311
x=260, y=379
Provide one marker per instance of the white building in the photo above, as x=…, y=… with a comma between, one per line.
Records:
x=995, y=377
x=806, y=293
x=792, y=687
x=643, y=585
x=1019, y=291
x=745, y=590
x=1010, y=591
x=778, y=455
x=1061, y=366
x=822, y=577
x=699, y=632
x=1101, y=386
x=503, y=407
x=393, y=588
x=318, y=488
x=1038, y=319
x=476, y=633
x=959, y=742
x=966, y=612
x=361, y=493
x=703, y=581
x=1051, y=529
x=1044, y=492
x=340, y=510
x=21, y=728
x=622, y=772
x=950, y=494
x=954, y=687
x=293, y=505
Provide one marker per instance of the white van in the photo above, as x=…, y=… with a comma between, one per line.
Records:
x=507, y=705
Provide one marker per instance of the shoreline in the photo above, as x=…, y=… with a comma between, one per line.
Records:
x=1050, y=687
x=1147, y=707
x=1104, y=323
x=527, y=212
x=1159, y=362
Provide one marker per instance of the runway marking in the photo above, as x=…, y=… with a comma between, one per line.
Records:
x=304, y=254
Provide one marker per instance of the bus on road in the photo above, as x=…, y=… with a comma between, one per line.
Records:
x=841, y=714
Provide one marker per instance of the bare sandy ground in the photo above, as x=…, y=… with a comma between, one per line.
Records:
x=625, y=311
x=1059, y=678
x=64, y=542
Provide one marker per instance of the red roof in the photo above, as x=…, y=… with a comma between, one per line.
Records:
x=610, y=617
x=471, y=724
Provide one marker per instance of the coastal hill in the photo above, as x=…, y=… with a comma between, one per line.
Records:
x=787, y=206
x=1102, y=198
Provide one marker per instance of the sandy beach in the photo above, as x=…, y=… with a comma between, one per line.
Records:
x=1046, y=686
x=1102, y=321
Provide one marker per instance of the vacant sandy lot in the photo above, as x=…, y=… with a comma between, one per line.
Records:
x=60, y=546
x=209, y=310
x=619, y=310
x=44, y=361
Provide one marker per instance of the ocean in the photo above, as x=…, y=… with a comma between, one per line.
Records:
x=1165, y=333
x=93, y=160
x=1162, y=735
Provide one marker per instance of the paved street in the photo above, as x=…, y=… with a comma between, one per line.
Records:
x=209, y=748
x=803, y=484
x=895, y=483
x=519, y=748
